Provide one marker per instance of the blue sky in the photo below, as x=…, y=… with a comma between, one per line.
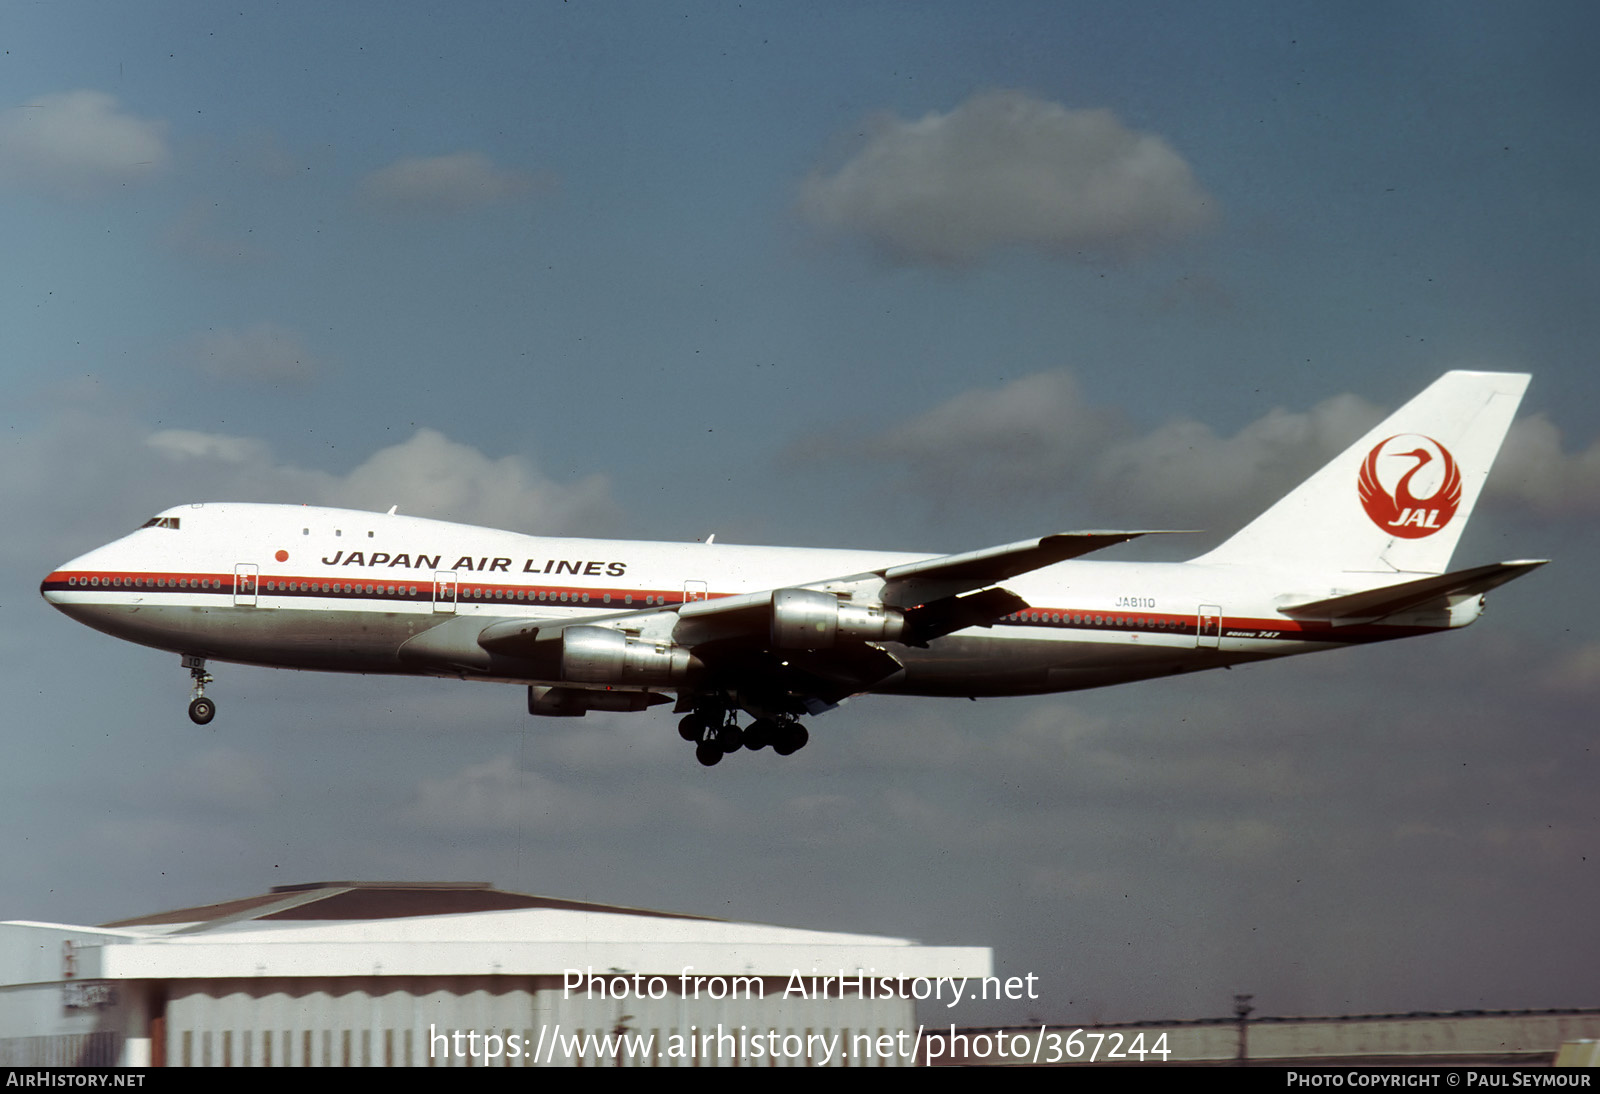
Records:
x=902, y=276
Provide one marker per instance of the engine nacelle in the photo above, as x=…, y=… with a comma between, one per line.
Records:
x=599, y=655
x=576, y=702
x=807, y=619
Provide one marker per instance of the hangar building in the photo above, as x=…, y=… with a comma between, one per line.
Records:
x=455, y=974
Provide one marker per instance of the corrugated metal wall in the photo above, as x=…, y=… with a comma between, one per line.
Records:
x=513, y=1021
x=102, y=1048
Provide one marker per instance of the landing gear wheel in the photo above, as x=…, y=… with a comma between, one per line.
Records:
x=709, y=753
x=792, y=737
x=730, y=738
x=201, y=709
x=760, y=733
x=691, y=728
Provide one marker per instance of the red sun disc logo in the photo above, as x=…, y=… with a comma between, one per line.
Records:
x=1424, y=485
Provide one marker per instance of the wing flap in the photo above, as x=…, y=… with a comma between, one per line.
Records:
x=955, y=613
x=830, y=675
x=837, y=673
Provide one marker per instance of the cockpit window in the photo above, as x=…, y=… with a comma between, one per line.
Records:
x=161, y=522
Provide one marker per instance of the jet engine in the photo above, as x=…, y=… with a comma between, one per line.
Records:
x=599, y=655
x=576, y=702
x=807, y=619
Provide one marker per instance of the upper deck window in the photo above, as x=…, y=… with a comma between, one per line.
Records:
x=161, y=522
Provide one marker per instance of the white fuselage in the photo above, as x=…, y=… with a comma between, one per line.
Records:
x=339, y=590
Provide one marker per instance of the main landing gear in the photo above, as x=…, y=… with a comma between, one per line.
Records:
x=201, y=709
x=715, y=732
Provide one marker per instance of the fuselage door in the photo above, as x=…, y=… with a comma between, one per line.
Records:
x=694, y=590
x=1208, y=636
x=244, y=585
x=444, y=591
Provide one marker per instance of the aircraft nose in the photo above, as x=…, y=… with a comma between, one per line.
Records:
x=54, y=585
x=72, y=589
x=59, y=584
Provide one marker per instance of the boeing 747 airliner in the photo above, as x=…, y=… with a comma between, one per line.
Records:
x=1358, y=553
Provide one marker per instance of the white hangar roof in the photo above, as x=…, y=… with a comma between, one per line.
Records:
x=452, y=929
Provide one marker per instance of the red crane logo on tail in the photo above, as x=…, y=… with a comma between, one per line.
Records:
x=1400, y=511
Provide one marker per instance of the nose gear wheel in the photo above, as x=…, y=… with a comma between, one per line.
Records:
x=201, y=709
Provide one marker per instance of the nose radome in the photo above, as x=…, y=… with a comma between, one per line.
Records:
x=55, y=585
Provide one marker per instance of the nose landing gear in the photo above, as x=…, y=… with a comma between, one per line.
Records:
x=201, y=709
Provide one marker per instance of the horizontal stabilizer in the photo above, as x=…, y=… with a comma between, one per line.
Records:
x=1392, y=599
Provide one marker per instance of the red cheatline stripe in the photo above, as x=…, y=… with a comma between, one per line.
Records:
x=477, y=592
x=467, y=592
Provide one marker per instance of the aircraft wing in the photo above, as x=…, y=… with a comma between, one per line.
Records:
x=919, y=582
x=910, y=585
x=732, y=644
x=772, y=633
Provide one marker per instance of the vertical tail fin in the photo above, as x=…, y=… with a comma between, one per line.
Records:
x=1398, y=499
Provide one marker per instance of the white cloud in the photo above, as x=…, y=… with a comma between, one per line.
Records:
x=188, y=444
x=81, y=476
x=79, y=143
x=1005, y=169
x=1036, y=438
x=1037, y=427
x=433, y=475
x=1533, y=470
x=441, y=185
x=427, y=475
x=264, y=353
x=1184, y=467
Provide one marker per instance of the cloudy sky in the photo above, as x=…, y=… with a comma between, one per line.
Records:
x=923, y=277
